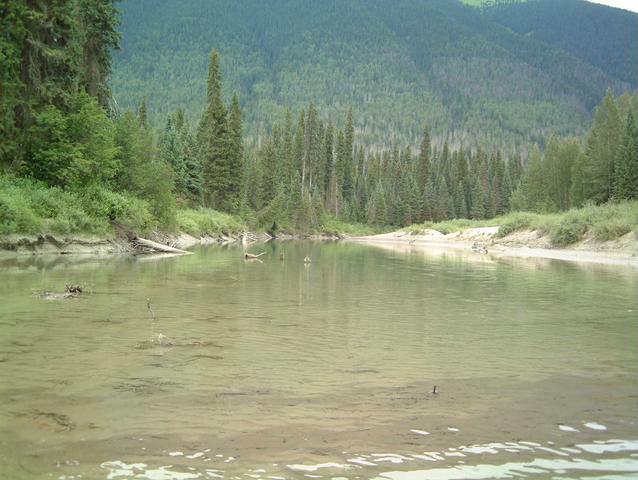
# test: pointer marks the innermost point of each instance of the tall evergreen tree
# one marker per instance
(343, 178)
(602, 141)
(478, 200)
(213, 141)
(235, 158)
(142, 114)
(626, 172)
(328, 163)
(170, 151)
(423, 160)
(98, 20)
(39, 71)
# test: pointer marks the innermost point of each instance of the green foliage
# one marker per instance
(333, 226)
(626, 162)
(16, 214)
(473, 80)
(603, 222)
(514, 222)
(98, 20)
(143, 172)
(31, 207)
(570, 229)
(614, 227)
(576, 27)
(108, 170)
(278, 211)
(51, 50)
(219, 140)
(602, 142)
(203, 221)
(106, 207)
(72, 148)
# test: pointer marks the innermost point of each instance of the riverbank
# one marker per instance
(39, 219)
(521, 243)
(48, 244)
(605, 233)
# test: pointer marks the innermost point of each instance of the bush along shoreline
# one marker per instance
(37, 218)
(600, 223)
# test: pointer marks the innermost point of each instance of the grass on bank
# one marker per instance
(31, 208)
(28, 207)
(603, 222)
(204, 221)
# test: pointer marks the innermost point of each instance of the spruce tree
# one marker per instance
(423, 160)
(443, 201)
(98, 20)
(170, 151)
(328, 159)
(233, 194)
(429, 206)
(460, 205)
(193, 177)
(377, 207)
(342, 175)
(478, 200)
(268, 163)
(626, 173)
(38, 72)
(602, 142)
(214, 142)
(142, 114)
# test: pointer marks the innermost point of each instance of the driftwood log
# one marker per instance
(252, 256)
(158, 247)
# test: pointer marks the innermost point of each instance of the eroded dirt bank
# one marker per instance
(77, 244)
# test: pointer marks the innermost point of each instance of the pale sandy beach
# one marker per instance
(522, 244)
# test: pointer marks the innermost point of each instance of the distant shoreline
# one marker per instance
(522, 244)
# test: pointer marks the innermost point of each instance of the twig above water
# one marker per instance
(148, 305)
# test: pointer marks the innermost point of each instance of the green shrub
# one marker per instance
(30, 207)
(569, 229)
(514, 222)
(107, 206)
(612, 229)
(614, 220)
(605, 222)
(16, 216)
(333, 226)
(203, 221)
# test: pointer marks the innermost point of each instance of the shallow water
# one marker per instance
(284, 370)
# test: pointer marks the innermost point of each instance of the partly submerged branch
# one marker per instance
(157, 247)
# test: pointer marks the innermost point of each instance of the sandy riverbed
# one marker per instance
(522, 244)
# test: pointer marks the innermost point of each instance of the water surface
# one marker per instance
(284, 370)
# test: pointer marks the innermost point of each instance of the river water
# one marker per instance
(280, 369)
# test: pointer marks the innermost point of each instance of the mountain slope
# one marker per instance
(594, 33)
(399, 63)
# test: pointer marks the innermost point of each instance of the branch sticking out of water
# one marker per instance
(148, 305)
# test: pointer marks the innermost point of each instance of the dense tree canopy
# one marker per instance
(398, 63)
(60, 126)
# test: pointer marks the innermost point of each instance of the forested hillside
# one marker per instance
(594, 33)
(399, 64)
(73, 159)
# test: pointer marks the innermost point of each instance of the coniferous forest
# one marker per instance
(73, 160)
